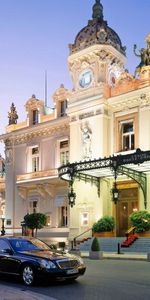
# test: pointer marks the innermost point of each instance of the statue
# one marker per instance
(86, 140)
(12, 115)
(97, 10)
(144, 54)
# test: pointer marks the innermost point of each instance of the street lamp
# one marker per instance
(71, 197)
(115, 193)
(3, 227)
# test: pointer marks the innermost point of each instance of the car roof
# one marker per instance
(7, 237)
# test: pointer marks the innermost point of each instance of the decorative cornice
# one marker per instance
(23, 136)
(97, 53)
(141, 100)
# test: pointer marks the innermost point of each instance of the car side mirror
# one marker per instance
(8, 251)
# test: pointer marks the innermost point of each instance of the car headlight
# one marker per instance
(80, 260)
(47, 264)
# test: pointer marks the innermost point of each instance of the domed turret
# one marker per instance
(96, 32)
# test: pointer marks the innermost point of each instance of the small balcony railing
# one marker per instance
(37, 175)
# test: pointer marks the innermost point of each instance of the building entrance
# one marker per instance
(127, 204)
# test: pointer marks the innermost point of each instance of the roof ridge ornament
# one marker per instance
(97, 10)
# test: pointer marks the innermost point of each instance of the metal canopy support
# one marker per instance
(139, 177)
(91, 179)
(114, 163)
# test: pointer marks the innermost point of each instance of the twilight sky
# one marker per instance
(34, 37)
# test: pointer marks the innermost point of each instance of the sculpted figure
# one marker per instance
(86, 140)
(144, 55)
(12, 115)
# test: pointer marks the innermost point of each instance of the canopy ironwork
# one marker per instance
(135, 165)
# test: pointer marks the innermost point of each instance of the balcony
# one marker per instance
(36, 176)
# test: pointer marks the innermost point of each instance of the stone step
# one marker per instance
(141, 245)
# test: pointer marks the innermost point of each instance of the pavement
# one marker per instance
(114, 255)
(9, 293)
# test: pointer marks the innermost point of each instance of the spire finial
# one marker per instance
(97, 10)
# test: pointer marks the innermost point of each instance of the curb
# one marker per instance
(121, 256)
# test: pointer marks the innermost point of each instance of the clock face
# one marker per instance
(85, 78)
(112, 79)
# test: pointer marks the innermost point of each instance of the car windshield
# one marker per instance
(28, 244)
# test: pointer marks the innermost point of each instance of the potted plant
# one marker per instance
(35, 221)
(95, 252)
(141, 221)
(104, 227)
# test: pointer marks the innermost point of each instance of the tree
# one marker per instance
(35, 221)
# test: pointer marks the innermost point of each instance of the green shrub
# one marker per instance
(141, 220)
(106, 223)
(95, 245)
(61, 245)
(53, 246)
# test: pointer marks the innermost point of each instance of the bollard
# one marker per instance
(118, 248)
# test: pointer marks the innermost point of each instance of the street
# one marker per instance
(104, 279)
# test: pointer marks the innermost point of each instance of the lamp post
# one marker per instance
(71, 193)
(3, 227)
(115, 193)
(71, 197)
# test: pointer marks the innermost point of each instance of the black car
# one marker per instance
(32, 259)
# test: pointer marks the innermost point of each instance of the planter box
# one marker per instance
(96, 254)
(75, 252)
(144, 234)
(104, 234)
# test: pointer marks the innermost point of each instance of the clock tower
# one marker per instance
(97, 55)
(96, 60)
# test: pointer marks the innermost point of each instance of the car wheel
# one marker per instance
(28, 275)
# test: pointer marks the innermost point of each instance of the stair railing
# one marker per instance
(130, 231)
(74, 242)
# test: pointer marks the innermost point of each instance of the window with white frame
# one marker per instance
(63, 107)
(64, 152)
(33, 206)
(35, 159)
(84, 219)
(48, 220)
(35, 117)
(127, 135)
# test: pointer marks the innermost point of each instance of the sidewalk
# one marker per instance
(114, 255)
(7, 293)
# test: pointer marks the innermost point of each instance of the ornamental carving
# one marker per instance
(12, 115)
(9, 155)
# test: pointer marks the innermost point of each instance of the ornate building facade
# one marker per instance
(107, 113)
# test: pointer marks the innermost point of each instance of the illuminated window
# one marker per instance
(126, 132)
(35, 159)
(33, 206)
(127, 136)
(84, 219)
(64, 216)
(64, 152)
(48, 221)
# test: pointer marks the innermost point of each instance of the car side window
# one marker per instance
(3, 245)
